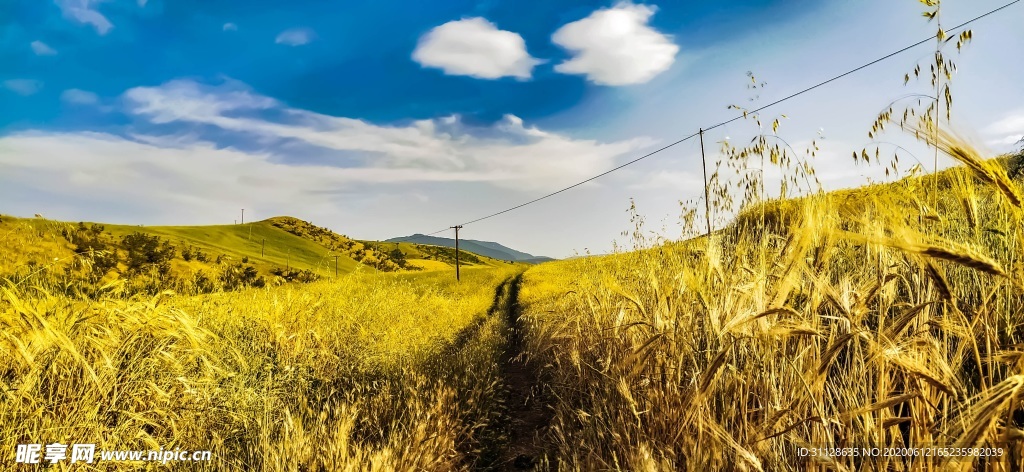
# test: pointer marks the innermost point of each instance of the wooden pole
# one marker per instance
(707, 197)
(263, 249)
(457, 228)
(243, 216)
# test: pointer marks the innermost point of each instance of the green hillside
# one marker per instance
(204, 258)
(261, 242)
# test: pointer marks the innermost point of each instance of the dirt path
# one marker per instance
(527, 415)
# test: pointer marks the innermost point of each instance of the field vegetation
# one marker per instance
(851, 320)
(372, 373)
(887, 316)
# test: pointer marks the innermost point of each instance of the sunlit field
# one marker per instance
(849, 320)
(367, 372)
(844, 320)
(786, 328)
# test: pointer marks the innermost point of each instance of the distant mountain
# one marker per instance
(483, 248)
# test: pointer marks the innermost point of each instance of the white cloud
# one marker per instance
(79, 97)
(142, 3)
(42, 49)
(1010, 140)
(1008, 131)
(301, 163)
(24, 87)
(477, 48)
(84, 11)
(191, 180)
(680, 181)
(185, 100)
(1012, 123)
(615, 46)
(230, 27)
(508, 153)
(295, 36)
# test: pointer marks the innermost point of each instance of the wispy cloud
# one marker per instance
(509, 153)
(42, 49)
(230, 27)
(1007, 131)
(24, 87)
(84, 11)
(295, 37)
(79, 97)
(477, 48)
(615, 46)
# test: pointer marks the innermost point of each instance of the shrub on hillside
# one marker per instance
(238, 275)
(198, 283)
(295, 275)
(398, 256)
(143, 250)
(99, 254)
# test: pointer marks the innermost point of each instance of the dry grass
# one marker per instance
(846, 322)
(375, 372)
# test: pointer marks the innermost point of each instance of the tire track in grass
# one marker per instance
(511, 439)
(527, 415)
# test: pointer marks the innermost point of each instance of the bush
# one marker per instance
(293, 275)
(143, 250)
(202, 283)
(86, 239)
(398, 256)
(238, 276)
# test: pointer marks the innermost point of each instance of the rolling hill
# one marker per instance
(484, 248)
(273, 247)
(260, 244)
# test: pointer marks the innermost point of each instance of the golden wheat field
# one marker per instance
(845, 325)
(839, 321)
(875, 328)
(369, 373)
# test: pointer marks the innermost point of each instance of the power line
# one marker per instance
(718, 125)
(645, 156)
(851, 71)
(776, 102)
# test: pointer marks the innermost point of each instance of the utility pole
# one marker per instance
(263, 249)
(707, 198)
(243, 216)
(335, 266)
(457, 228)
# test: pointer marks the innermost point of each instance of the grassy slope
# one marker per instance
(25, 242)
(283, 249)
(285, 378)
(745, 341)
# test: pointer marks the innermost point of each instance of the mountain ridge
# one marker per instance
(485, 248)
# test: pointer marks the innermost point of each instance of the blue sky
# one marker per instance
(386, 118)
